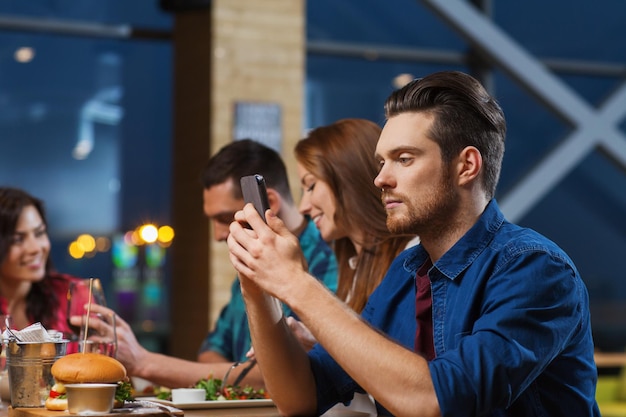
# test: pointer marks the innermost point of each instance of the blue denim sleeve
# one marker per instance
(520, 328)
(390, 308)
(333, 384)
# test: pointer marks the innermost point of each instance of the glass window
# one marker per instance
(357, 48)
(85, 125)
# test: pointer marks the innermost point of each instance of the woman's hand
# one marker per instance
(129, 352)
(302, 333)
(299, 330)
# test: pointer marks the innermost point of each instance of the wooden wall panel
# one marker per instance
(236, 51)
(258, 56)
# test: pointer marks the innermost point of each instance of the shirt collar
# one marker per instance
(466, 249)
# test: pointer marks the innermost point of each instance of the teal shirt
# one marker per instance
(231, 336)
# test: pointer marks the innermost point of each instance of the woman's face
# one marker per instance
(319, 202)
(27, 256)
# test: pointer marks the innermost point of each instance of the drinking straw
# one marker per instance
(88, 313)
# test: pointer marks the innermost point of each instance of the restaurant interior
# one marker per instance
(109, 110)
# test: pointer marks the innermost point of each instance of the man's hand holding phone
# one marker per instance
(265, 256)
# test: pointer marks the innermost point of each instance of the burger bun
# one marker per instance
(56, 404)
(88, 368)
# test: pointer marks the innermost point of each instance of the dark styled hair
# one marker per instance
(464, 115)
(247, 157)
(41, 302)
(342, 155)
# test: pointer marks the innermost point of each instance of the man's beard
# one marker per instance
(431, 215)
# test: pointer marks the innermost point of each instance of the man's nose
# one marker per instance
(220, 231)
(383, 179)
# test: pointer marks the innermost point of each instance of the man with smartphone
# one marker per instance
(223, 196)
(482, 318)
(229, 341)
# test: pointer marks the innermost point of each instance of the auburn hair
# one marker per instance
(342, 155)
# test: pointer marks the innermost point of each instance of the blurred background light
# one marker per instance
(148, 233)
(24, 55)
(166, 234)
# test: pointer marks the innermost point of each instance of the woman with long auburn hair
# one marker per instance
(337, 167)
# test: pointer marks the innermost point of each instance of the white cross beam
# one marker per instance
(593, 128)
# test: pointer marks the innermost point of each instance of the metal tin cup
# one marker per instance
(89, 399)
(29, 366)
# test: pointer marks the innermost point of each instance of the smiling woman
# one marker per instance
(30, 291)
(336, 166)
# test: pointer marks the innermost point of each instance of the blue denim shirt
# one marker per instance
(511, 323)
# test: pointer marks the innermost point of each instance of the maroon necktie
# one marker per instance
(424, 313)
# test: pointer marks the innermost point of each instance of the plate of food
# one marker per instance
(216, 397)
(214, 403)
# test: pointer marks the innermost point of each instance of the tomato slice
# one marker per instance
(54, 394)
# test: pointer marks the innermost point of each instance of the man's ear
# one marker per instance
(469, 165)
(275, 200)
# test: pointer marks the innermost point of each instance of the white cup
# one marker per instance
(188, 395)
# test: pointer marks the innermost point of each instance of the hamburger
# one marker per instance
(81, 368)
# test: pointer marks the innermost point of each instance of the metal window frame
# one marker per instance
(592, 127)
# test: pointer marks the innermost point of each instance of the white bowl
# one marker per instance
(188, 395)
(86, 399)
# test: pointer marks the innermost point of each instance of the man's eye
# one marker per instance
(226, 218)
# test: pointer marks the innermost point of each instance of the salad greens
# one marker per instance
(212, 387)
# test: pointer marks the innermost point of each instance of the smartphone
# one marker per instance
(254, 191)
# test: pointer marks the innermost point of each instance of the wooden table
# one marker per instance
(270, 411)
(223, 412)
(263, 412)
(213, 412)
(610, 359)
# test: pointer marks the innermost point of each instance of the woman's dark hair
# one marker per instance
(464, 115)
(41, 302)
(342, 155)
